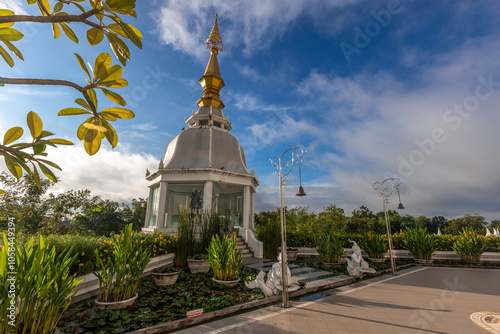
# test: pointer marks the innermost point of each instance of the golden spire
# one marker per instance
(211, 81)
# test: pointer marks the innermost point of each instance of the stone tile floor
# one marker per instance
(417, 300)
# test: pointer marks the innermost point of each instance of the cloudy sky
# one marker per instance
(371, 89)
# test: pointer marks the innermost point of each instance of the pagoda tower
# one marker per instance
(204, 168)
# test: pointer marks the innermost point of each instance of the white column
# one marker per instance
(207, 196)
(252, 210)
(246, 207)
(149, 207)
(162, 204)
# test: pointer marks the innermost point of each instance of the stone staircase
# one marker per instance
(243, 247)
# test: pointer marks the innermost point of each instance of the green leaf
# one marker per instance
(6, 12)
(6, 57)
(69, 32)
(13, 166)
(82, 65)
(50, 163)
(46, 4)
(108, 117)
(92, 142)
(131, 34)
(72, 111)
(12, 48)
(12, 135)
(94, 36)
(60, 141)
(55, 30)
(121, 113)
(35, 124)
(58, 7)
(101, 65)
(113, 73)
(92, 96)
(45, 134)
(47, 172)
(118, 83)
(119, 48)
(39, 148)
(111, 135)
(116, 98)
(10, 34)
(37, 177)
(83, 103)
(2, 192)
(82, 129)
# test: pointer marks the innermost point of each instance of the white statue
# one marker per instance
(356, 266)
(273, 285)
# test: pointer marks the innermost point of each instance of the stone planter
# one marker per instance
(292, 255)
(165, 279)
(371, 259)
(228, 284)
(198, 266)
(116, 305)
(329, 264)
(421, 261)
(57, 330)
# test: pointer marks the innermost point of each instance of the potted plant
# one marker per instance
(375, 246)
(420, 243)
(119, 276)
(165, 276)
(43, 286)
(469, 246)
(226, 261)
(330, 248)
(198, 263)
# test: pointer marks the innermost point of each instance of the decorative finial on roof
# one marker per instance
(211, 81)
(214, 41)
(160, 166)
(147, 172)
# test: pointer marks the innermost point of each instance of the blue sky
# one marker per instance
(371, 89)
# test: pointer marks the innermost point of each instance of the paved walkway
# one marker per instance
(417, 300)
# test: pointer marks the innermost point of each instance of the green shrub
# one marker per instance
(469, 246)
(119, 277)
(43, 287)
(270, 235)
(375, 245)
(330, 247)
(420, 243)
(225, 260)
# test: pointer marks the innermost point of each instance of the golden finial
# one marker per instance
(214, 41)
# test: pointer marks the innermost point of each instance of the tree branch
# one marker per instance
(45, 82)
(51, 82)
(52, 18)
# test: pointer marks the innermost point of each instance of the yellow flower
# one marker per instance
(81, 264)
(83, 253)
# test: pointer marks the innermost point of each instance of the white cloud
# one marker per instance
(395, 120)
(116, 174)
(255, 24)
(13, 5)
(144, 126)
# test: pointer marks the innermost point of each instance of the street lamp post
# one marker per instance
(385, 191)
(282, 170)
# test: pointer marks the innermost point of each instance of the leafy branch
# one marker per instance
(104, 17)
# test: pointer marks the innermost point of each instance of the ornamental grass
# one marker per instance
(375, 245)
(469, 246)
(420, 243)
(225, 260)
(330, 247)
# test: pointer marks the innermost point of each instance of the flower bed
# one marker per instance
(157, 244)
(156, 305)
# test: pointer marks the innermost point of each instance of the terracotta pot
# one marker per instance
(229, 284)
(121, 304)
(164, 279)
(198, 266)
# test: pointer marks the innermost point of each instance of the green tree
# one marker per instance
(100, 217)
(135, 213)
(332, 218)
(474, 222)
(438, 222)
(103, 19)
(362, 212)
